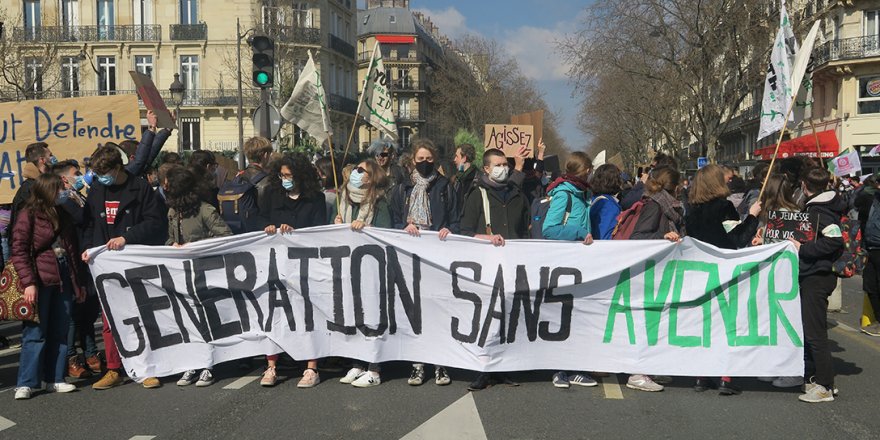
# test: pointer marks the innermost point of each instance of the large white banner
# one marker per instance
(649, 307)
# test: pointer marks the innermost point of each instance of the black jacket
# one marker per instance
(276, 208)
(705, 222)
(250, 173)
(147, 151)
(818, 256)
(140, 218)
(508, 211)
(463, 183)
(441, 197)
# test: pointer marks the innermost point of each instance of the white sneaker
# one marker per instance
(205, 379)
(642, 382)
(366, 380)
(22, 393)
(60, 387)
(788, 381)
(352, 375)
(188, 378)
(816, 394)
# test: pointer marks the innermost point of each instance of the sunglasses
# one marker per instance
(384, 154)
(360, 170)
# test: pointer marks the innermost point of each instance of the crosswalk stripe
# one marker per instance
(612, 387)
(243, 381)
(5, 423)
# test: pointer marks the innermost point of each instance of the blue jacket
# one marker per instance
(578, 225)
(603, 216)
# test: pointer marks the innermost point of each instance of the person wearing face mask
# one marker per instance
(292, 201)
(363, 203)
(122, 210)
(140, 155)
(385, 152)
(39, 160)
(495, 210)
(426, 201)
(44, 254)
(466, 172)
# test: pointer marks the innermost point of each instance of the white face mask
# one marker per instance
(499, 174)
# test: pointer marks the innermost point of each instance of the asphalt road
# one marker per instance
(237, 407)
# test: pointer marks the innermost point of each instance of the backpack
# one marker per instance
(238, 202)
(539, 210)
(626, 221)
(852, 260)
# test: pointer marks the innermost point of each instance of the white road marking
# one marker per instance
(243, 381)
(846, 327)
(143, 437)
(461, 421)
(611, 387)
(5, 423)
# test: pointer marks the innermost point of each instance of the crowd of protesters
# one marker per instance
(63, 209)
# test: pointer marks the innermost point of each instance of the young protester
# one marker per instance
(425, 201)
(385, 152)
(466, 172)
(534, 184)
(328, 184)
(190, 219)
(141, 155)
(120, 210)
(363, 203)
(293, 200)
(257, 150)
(636, 192)
(44, 253)
(867, 203)
(507, 219)
(568, 218)
(713, 219)
(817, 281)
(39, 160)
(604, 207)
(203, 166)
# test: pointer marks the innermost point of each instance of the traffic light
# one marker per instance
(264, 61)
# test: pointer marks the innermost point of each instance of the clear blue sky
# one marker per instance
(526, 29)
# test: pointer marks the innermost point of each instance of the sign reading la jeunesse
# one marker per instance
(650, 307)
(73, 128)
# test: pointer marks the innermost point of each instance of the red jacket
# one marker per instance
(35, 234)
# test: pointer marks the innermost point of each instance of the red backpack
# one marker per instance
(626, 221)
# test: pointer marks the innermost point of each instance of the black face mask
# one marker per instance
(425, 168)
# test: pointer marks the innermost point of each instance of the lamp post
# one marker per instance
(177, 90)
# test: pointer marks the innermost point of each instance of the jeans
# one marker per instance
(44, 345)
(82, 327)
(815, 290)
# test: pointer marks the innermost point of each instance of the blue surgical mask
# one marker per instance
(62, 197)
(356, 180)
(461, 168)
(79, 183)
(287, 184)
(106, 179)
(53, 160)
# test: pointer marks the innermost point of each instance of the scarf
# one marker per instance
(489, 183)
(579, 183)
(419, 212)
(671, 210)
(356, 196)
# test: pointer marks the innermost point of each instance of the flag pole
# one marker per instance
(776, 151)
(361, 100)
(816, 136)
(335, 171)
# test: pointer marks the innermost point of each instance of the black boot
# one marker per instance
(703, 384)
(483, 381)
(728, 389)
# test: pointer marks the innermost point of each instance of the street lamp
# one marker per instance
(177, 90)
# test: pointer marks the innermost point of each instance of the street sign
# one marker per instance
(274, 116)
(701, 162)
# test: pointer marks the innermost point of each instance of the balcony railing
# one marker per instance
(293, 34)
(192, 98)
(410, 116)
(189, 32)
(343, 104)
(847, 49)
(341, 46)
(407, 85)
(364, 57)
(60, 34)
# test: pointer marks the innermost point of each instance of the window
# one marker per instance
(392, 19)
(405, 134)
(403, 79)
(340, 79)
(190, 132)
(403, 107)
(869, 95)
(69, 13)
(189, 75)
(106, 75)
(189, 12)
(105, 19)
(70, 76)
(302, 15)
(144, 64)
(872, 24)
(32, 20)
(143, 12)
(33, 75)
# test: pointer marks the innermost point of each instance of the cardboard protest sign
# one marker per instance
(73, 128)
(535, 119)
(152, 99)
(382, 295)
(510, 138)
(782, 225)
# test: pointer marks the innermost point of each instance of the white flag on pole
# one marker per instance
(778, 92)
(307, 106)
(847, 162)
(802, 77)
(375, 104)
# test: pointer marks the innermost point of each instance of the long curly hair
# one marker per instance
(305, 177)
(182, 192)
(42, 198)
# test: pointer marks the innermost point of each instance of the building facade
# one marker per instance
(411, 50)
(98, 41)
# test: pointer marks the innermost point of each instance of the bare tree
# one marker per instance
(28, 66)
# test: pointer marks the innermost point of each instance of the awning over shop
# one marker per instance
(804, 146)
(396, 39)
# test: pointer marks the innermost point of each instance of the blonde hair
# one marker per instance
(709, 184)
(578, 164)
